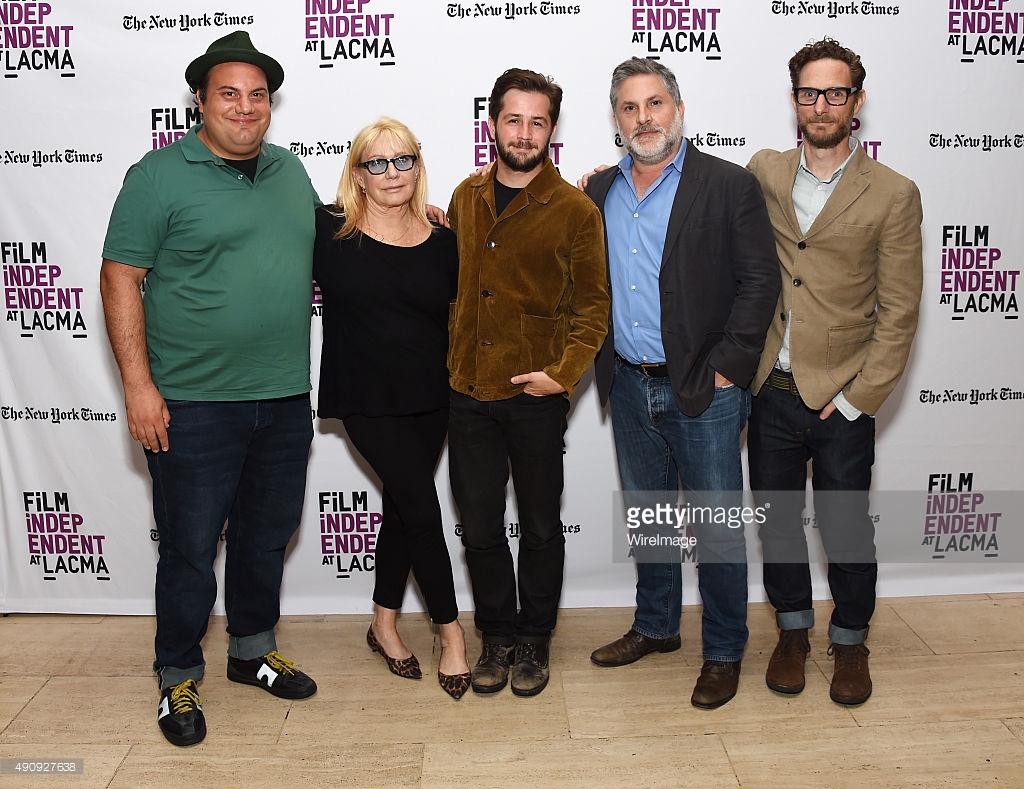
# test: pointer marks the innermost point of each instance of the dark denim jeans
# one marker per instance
(484, 439)
(240, 462)
(658, 447)
(784, 434)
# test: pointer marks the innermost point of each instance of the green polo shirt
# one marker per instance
(228, 292)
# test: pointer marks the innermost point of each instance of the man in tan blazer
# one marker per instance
(848, 234)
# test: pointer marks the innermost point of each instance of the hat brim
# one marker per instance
(199, 67)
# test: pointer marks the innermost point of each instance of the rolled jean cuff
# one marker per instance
(252, 647)
(169, 676)
(795, 620)
(720, 658)
(846, 637)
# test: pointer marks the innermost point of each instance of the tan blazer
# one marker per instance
(852, 284)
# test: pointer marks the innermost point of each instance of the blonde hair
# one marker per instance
(352, 201)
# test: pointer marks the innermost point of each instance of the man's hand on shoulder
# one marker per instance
(585, 178)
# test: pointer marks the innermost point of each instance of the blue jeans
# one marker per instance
(240, 462)
(658, 447)
(784, 434)
(485, 439)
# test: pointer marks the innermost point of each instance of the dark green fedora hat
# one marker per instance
(234, 48)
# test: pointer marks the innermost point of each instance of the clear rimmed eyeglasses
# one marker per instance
(837, 97)
(380, 166)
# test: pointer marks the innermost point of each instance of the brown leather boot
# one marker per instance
(851, 681)
(786, 668)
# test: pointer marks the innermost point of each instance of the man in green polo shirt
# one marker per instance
(217, 229)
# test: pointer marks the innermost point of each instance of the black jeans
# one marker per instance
(403, 451)
(783, 434)
(485, 439)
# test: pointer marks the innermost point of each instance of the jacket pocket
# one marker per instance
(847, 350)
(538, 342)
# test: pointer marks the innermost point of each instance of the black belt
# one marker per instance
(780, 379)
(650, 370)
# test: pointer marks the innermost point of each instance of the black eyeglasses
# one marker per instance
(837, 97)
(380, 166)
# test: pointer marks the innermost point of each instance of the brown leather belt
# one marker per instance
(650, 370)
(779, 379)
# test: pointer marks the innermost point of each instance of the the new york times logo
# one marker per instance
(31, 41)
(348, 532)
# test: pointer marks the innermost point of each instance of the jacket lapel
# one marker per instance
(851, 186)
(686, 192)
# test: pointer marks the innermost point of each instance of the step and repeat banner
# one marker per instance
(88, 86)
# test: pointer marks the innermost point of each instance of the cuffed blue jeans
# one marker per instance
(784, 434)
(658, 447)
(240, 462)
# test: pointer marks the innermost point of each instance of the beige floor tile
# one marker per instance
(944, 688)
(380, 707)
(670, 762)
(1016, 725)
(15, 694)
(220, 766)
(962, 754)
(962, 625)
(99, 763)
(649, 701)
(92, 645)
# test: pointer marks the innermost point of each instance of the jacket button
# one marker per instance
(802, 245)
(491, 245)
(486, 344)
(797, 282)
(782, 317)
(486, 294)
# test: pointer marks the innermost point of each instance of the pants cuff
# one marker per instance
(795, 620)
(169, 676)
(252, 647)
(846, 637)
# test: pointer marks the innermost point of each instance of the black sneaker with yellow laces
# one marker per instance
(272, 673)
(180, 714)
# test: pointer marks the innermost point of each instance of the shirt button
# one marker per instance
(634, 251)
(636, 216)
(240, 176)
(632, 287)
(636, 323)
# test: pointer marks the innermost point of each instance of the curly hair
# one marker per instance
(830, 49)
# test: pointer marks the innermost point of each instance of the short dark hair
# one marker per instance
(827, 49)
(529, 81)
(632, 67)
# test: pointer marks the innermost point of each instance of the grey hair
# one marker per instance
(632, 67)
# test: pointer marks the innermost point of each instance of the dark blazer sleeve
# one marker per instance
(604, 363)
(720, 279)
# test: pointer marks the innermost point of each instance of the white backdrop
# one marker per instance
(88, 86)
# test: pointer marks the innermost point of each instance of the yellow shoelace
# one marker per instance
(279, 663)
(185, 697)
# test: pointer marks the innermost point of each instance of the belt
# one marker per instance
(650, 370)
(779, 379)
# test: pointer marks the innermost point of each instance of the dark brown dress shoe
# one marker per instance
(631, 647)
(716, 684)
(530, 672)
(786, 667)
(851, 680)
(490, 674)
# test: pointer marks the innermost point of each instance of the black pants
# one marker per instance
(403, 451)
(484, 440)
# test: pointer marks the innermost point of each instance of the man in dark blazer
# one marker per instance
(848, 233)
(694, 280)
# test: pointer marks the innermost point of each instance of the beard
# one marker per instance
(828, 139)
(657, 149)
(522, 157)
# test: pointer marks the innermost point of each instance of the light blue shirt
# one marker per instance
(810, 194)
(636, 243)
